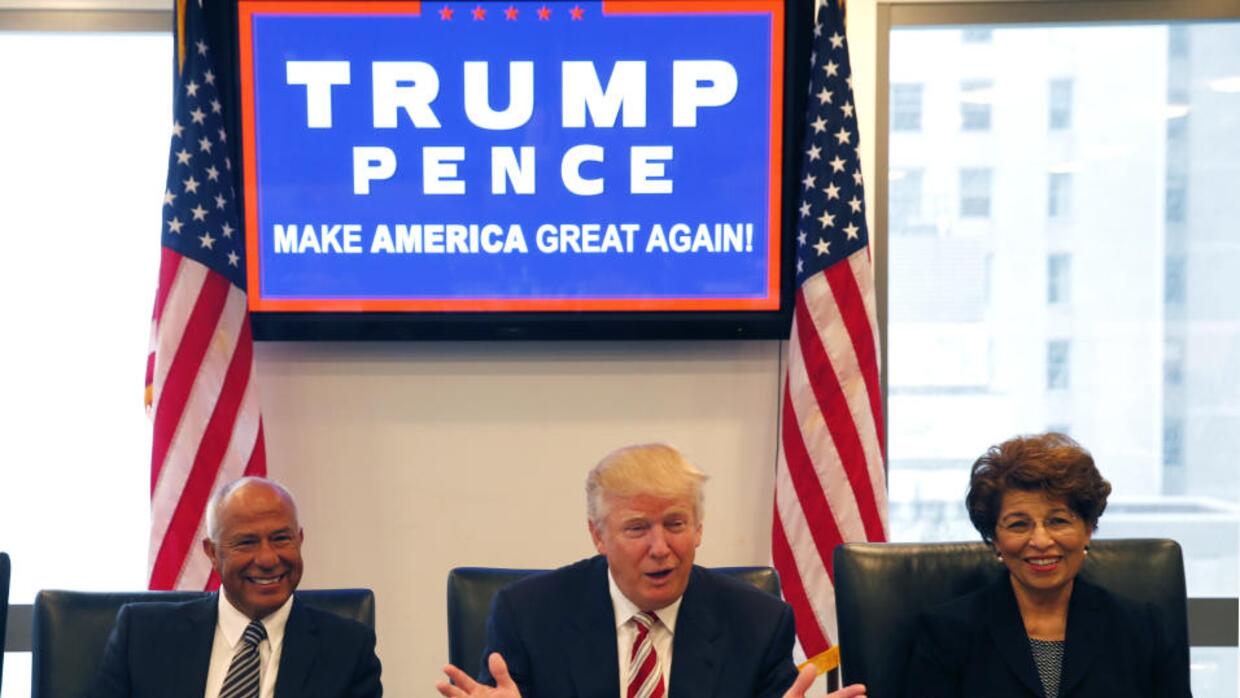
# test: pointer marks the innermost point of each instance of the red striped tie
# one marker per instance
(645, 678)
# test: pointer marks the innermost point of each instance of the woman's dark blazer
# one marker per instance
(976, 647)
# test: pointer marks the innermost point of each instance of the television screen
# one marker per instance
(519, 169)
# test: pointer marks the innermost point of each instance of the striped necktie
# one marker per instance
(645, 678)
(242, 678)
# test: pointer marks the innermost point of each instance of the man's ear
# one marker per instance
(208, 549)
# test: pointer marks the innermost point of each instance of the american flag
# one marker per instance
(829, 486)
(199, 376)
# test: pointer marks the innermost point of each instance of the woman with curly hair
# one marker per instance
(1039, 630)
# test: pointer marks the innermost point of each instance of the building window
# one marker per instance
(1060, 116)
(977, 35)
(1059, 195)
(1057, 368)
(905, 211)
(975, 99)
(1177, 200)
(1173, 361)
(906, 107)
(1175, 289)
(1173, 443)
(975, 193)
(1058, 278)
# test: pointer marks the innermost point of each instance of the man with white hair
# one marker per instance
(254, 639)
(640, 620)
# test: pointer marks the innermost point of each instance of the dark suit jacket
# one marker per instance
(557, 632)
(162, 650)
(976, 645)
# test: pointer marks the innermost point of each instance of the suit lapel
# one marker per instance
(300, 646)
(591, 647)
(188, 648)
(695, 659)
(1087, 631)
(1007, 631)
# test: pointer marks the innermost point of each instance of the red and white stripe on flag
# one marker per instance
(207, 426)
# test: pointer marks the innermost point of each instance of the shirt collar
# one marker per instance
(233, 622)
(626, 609)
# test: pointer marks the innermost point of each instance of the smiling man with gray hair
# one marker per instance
(252, 640)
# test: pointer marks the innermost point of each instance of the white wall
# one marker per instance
(411, 459)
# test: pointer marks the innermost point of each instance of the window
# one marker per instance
(1175, 292)
(906, 107)
(1060, 116)
(1173, 361)
(1059, 195)
(1173, 443)
(975, 99)
(1177, 194)
(1058, 278)
(1057, 358)
(906, 203)
(974, 193)
(89, 249)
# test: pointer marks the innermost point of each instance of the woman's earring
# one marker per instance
(1087, 550)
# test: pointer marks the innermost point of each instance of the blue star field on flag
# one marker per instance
(831, 217)
(200, 214)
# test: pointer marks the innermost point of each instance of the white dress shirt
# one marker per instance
(228, 630)
(661, 633)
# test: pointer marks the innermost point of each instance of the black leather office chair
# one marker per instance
(70, 629)
(880, 588)
(470, 590)
(5, 569)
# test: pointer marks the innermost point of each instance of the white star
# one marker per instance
(843, 136)
(805, 209)
(232, 259)
(824, 96)
(832, 68)
(174, 225)
(817, 30)
(849, 81)
(827, 220)
(202, 46)
(198, 116)
(833, 192)
(809, 181)
(209, 77)
(855, 204)
(177, 128)
(204, 144)
(822, 246)
(227, 230)
(801, 238)
(183, 156)
(857, 177)
(813, 61)
(191, 89)
(847, 108)
(814, 153)
(800, 267)
(212, 173)
(220, 201)
(228, 164)
(169, 197)
(215, 106)
(223, 136)
(851, 230)
(837, 165)
(200, 213)
(191, 185)
(837, 41)
(819, 125)
(207, 240)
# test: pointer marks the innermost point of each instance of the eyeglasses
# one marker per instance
(1020, 527)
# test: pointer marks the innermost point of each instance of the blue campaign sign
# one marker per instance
(622, 155)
